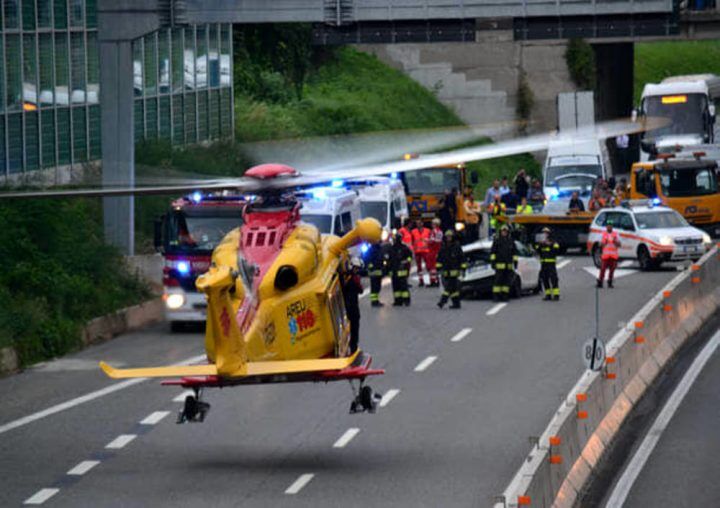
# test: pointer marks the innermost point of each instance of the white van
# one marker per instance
(572, 166)
(333, 210)
(381, 198)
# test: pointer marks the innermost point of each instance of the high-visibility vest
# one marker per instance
(526, 210)
(406, 236)
(420, 240)
(609, 249)
(496, 211)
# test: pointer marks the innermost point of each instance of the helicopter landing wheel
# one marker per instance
(365, 400)
(194, 410)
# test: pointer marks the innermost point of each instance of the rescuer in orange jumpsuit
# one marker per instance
(421, 248)
(436, 239)
(610, 243)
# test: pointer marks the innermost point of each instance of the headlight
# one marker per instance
(706, 238)
(666, 240)
(459, 226)
(174, 301)
(384, 235)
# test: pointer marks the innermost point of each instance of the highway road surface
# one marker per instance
(463, 392)
(676, 463)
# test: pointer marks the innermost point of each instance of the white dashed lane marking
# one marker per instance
(298, 484)
(461, 335)
(85, 398)
(497, 308)
(83, 467)
(425, 363)
(121, 441)
(154, 418)
(388, 396)
(564, 263)
(41, 496)
(346, 438)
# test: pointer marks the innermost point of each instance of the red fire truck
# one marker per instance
(186, 236)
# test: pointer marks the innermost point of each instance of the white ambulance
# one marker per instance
(381, 198)
(651, 234)
(334, 210)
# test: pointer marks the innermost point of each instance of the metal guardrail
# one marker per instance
(347, 11)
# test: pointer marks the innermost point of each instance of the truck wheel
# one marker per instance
(597, 256)
(646, 262)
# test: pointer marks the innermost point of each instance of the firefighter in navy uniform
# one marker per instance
(400, 262)
(375, 266)
(503, 258)
(549, 250)
(451, 263)
(351, 290)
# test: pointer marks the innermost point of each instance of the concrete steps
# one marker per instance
(473, 99)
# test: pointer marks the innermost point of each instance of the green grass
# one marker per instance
(655, 61)
(351, 92)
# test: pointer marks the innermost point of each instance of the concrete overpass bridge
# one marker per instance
(480, 50)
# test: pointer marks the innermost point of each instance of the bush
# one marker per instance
(525, 100)
(62, 275)
(580, 60)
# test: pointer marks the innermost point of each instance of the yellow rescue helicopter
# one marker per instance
(275, 308)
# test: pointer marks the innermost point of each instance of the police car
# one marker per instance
(479, 276)
(650, 233)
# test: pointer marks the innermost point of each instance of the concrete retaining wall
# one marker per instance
(557, 470)
(101, 329)
(479, 80)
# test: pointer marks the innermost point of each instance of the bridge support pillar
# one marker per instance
(614, 95)
(119, 23)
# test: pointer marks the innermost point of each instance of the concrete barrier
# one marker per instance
(557, 470)
(101, 329)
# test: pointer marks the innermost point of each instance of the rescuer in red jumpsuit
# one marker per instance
(436, 239)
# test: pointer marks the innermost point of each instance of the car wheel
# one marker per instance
(516, 288)
(597, 256)
(644, 259)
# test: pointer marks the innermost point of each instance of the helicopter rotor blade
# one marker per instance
(453, 157)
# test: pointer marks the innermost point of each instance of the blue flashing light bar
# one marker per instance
(337, 183)
(364, 248)
(196, 197)
(183, 267)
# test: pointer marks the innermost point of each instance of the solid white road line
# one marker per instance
(497, 308)
(120, 441)
(425, 363)
(181, 397)
(365, 292)
(388, 396)
(83, 467)
(84, 398)
(346, 438)
(624, 485)
(626, 263)
(154, 418)
(298, 484)
(461, 335)
(563, 263)
(41, 496)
